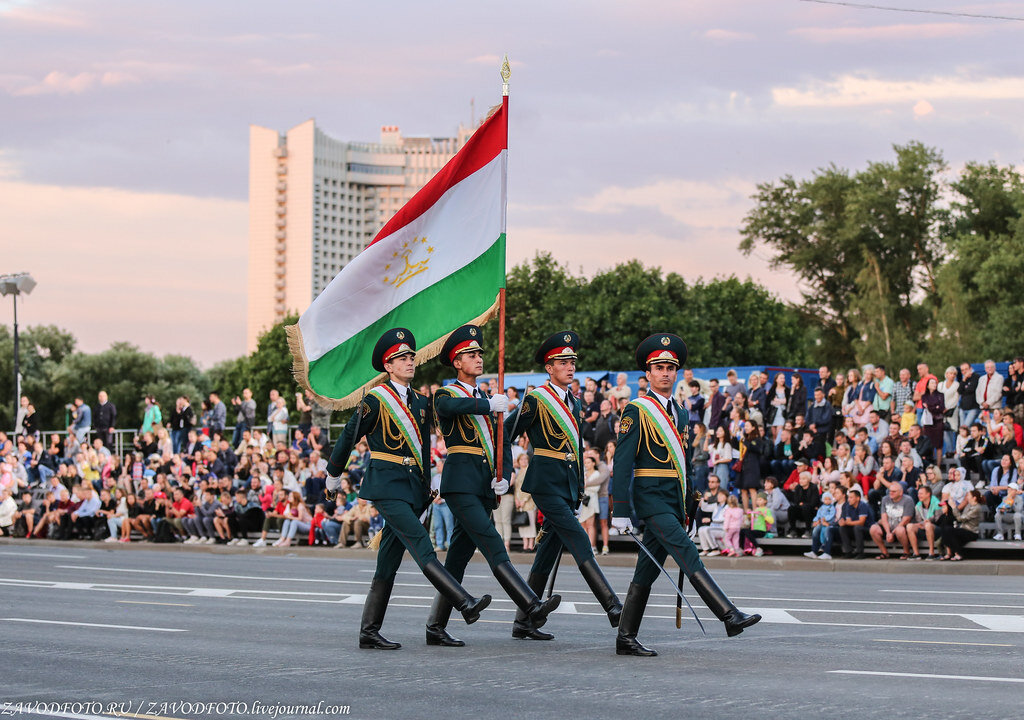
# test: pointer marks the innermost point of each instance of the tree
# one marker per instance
(830, 229)
(42, 348)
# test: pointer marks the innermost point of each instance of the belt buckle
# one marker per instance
(569, 457)
(407, 461)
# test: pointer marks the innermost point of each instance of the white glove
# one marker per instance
(333, 483)
(498, 403)
(500, 487)
(622, 524)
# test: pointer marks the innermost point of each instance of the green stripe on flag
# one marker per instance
(436, 311)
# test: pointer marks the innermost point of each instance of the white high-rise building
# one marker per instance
(316, 202)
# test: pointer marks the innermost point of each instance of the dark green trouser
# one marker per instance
(665, 534)
(561, 529)
(473, 529)
(402, 531)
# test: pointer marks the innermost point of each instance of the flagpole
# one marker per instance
(499, 454)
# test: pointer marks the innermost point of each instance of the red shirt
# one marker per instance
(922, 387)
(184, 504)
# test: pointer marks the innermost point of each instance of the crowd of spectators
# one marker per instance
(914, 466)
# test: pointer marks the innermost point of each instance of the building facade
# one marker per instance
(316, 202)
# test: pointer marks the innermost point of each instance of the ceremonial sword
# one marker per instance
(678, 590)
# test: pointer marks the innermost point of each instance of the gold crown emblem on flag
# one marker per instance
(409, 269)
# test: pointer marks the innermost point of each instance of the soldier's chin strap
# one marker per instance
(678, 590)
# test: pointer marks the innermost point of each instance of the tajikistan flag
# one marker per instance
(437, 265)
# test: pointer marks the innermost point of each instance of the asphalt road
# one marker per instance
(134, 633)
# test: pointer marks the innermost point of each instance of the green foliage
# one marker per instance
(888, 272)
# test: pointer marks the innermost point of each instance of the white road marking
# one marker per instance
(942, 642)
(99, 625)
(1003, 623)
(774, 615)
(566, 608)
(45, 555)
(213, 575)
(927, 676)
(950, 592)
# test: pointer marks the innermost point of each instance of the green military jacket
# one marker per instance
(465, 472)
(644, 478)
(385, 479)
(561, 476)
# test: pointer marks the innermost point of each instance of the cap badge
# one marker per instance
(472, 332)
(567, 338)
(665, 341)
(400, 335)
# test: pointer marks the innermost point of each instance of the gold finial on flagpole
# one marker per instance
(506, 73)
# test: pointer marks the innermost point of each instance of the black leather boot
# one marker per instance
(454, 593)
(373, 616)
(524, 597)
(522, 628)
(598, 585)
(717, 602)
(629, 624)
(437, 622)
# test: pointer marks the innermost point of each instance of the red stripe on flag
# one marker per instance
(484, 145)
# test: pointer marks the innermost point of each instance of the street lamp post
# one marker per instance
(15, 284)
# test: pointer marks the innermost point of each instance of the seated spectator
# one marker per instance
(811, 446)
(83, 517)
(1011, 508)
(974, 452)
(911, 476)
(177, 512)
(297, 518)
(853, 524)
(782, 461)
(922, 444)
(108, 509)
(247, 517)
(864, 467)
(778, 503)
(25, 516)
(8, 508)
(885, 477)
(957, 488)
(274, 515)
(132, 510)
(223, 514)
(897, 512)
(821, 529)
(700, 516)
(926, 512)
(1002, 477)
(961, 526)
(710, 534)
(804, 500)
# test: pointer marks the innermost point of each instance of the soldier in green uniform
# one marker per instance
(550, 417)
(651, 475)
(469, 484)
(396, 421)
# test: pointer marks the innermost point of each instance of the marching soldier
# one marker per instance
(469, 484)
(550, 417)
(651, 449)
(395, 419)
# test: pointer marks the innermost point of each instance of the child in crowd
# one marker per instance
(908, 419)
(821, 529)
(761, 519)
(316, 531)
(732, 521)
(1010, 509)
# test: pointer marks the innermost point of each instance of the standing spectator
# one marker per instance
(30, 423)
(897, 513)
(218, 415)
(699, 456)
(732, 523)
(589, 413)
(305, 411)
(151, 417)
(950, 389)
(321, 415)
(751, 451)
(279, 421)
(604, 426)
(1013, 389)
(933, 405)
(715, 407)
(525, 503)
(820, 415)
(81, 415)
(921, 387)
(694, 403)
(271, 409)
(778, 399)
(884, 387)
(903, 392)
(990, 389)
(797, 404)
(721, 452)
(825, 382)
(106, 418)
(621, 393)
(19, 421)
(245, 416)
(968, 392)
(733, 386)
(183, 419)
(443, 523)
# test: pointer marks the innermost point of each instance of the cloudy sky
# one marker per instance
(637, 129)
